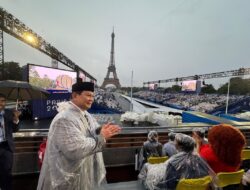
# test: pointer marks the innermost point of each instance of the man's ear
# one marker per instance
(73, 95)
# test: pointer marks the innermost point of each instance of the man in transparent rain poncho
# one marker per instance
(73, 160)
(185, 164)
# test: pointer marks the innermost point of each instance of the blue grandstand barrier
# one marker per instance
(233, 108)
(233, 118)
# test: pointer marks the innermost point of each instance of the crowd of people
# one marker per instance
(202, 102)
(106, 99)
(191, 157)
(73, 155)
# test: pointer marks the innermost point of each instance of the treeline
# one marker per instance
(10, 71)
(238, 86)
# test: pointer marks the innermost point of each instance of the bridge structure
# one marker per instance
(17, 29)
(237, 72)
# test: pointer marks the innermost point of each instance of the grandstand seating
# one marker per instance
(233, 108)
(209, 103)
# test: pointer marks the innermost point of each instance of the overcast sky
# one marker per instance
(157, 39)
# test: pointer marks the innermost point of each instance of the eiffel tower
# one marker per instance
(111, 68)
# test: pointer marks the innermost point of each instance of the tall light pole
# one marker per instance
(2, 52)
(228, 89)
(131, 93)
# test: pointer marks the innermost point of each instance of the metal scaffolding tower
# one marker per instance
(238, 72)
(14, 27)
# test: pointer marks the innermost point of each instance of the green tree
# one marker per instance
(12, 71)
(238, 86)
(168, 90)
(209, 89)
(222, 89)
(176, 88)
(247, 81)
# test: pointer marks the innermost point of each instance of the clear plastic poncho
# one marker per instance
(185, 164)
(150, 148)
(73, 160)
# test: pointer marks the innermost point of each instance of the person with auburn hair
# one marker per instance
(224, 152)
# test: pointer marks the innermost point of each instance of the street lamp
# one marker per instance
(131, 93)
(228, 89)
(2, 53)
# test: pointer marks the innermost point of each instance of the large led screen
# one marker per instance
(189, 85)
(51, 78)
(152, 86)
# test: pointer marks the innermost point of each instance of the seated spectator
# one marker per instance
(224, 152)
(169, 148)
(152, 147)
(152, 174)
(185, 164)
(198, 135)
